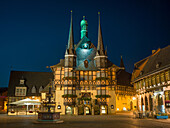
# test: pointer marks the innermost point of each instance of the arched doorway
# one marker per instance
(131, 105)
(160, 103)
(103, 109)
(142, 105)
(150, 103)
(146, 103)
(69, 110)
(87, 110)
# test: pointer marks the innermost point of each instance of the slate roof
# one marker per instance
(162, 58)
(60, 64)
(36, 79)
(123, 77)
(46, 89)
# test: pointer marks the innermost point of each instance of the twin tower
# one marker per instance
(72, 50)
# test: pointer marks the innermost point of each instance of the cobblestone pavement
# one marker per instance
(97, 121)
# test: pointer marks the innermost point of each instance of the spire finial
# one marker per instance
(122, 66)
(100, 46)
(70, 39)
(71, 13)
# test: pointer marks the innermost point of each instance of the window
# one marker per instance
(98, 92)
(21, 81)
(103, 92)
(69, 91)
(23, 92)
(167, 76)
(20, 91)
(162, 77)
(17, 92)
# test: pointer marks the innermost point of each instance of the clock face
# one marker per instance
(85, 45)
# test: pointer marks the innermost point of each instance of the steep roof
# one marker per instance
(60, 64)
(156, 62)
(70, 47)
(100, 46)
(36, 79)
(3, 89)
(85, 55)
(123, 77)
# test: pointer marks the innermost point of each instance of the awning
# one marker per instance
(27, 102)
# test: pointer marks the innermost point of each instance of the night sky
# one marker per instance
(34, 33)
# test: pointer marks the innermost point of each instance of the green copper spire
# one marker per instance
(70, 39)
(100, 46)
(84, 26)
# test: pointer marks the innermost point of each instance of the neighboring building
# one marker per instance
(125, 93)
(85, 79)
(3, 98)
(23, 84)
(151, 79)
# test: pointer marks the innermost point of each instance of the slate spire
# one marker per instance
(70, 38)
(100, 46)
(122, 66)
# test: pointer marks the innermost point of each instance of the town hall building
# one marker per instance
(85, 79)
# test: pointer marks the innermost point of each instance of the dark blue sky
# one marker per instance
(34, 33)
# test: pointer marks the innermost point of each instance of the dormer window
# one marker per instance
(141, 73)
(40, 89)
(33, 89)
(158, 65)
(22, 81)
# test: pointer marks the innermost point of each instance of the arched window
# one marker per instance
(33, 89)
(40, 89)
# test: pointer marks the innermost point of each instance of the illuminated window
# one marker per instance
(153, 80)
(162, 77)
(20, 91)
(157, 79)
(167, 76)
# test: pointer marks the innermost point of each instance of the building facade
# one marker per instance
(151, 79)
(85, 79)
(124, 90)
